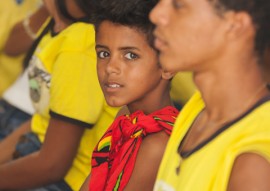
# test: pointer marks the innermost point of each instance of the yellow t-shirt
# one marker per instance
(11, 12)
(209, 167)
(63, 82)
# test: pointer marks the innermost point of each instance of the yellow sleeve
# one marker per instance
(75, 91)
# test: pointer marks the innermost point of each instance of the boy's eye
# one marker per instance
(131, 56)
(102, 54)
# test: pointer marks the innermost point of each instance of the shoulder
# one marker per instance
(78, 37)
(253, 131)
(193, 106)
(79, 27)
(123, 111)
(154, 145)
(250, 172)
(147, 162)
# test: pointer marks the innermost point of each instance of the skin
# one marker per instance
(50, 5)
(123, 65)
(266, 66)
(53, 160)
(48, 165)
(8, 145)
(199, 28)
(184, 28)
(19, 41)
(124, 62)
(61, 22)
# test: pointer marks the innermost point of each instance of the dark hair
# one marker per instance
(62, 8)
(131, 13)
(259, 11)
(84, 5)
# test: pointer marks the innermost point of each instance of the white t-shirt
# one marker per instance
(18, 94)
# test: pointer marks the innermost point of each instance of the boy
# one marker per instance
(221, 141)
(128, 155)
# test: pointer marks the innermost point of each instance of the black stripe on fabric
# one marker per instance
(226, 126)
(71, 120)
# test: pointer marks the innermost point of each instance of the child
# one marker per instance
(128, 155)
(221, 140)
(53, 153)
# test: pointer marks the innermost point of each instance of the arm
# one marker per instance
(250, 172)
(48, 165)
(147, 162)
(8, 145)
(19, 41)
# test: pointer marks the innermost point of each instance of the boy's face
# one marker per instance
(127, 66)
(188, 33)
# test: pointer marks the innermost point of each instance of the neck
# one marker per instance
(228, 93)
(154, 102)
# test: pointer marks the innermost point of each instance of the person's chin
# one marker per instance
(113, 102)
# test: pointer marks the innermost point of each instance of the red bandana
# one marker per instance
(114, 157)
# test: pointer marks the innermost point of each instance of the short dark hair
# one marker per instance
(84, 5)
(131, 13)
(259, 11)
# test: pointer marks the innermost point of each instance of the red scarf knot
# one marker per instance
(114, 157)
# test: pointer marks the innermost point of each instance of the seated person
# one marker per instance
(15, 104)
(129, 153)
(52, 151)
(221, 140)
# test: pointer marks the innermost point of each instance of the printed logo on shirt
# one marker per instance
(39, 82)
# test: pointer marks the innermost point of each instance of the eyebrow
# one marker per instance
(129, 48)
(121, 48)
(101, 46)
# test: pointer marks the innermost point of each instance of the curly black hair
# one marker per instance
(131, 13)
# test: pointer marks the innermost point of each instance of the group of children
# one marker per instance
(99, 77)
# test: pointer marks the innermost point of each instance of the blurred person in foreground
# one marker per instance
(221, 139)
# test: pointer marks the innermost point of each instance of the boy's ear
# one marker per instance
(167, 75)
(239, 23)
